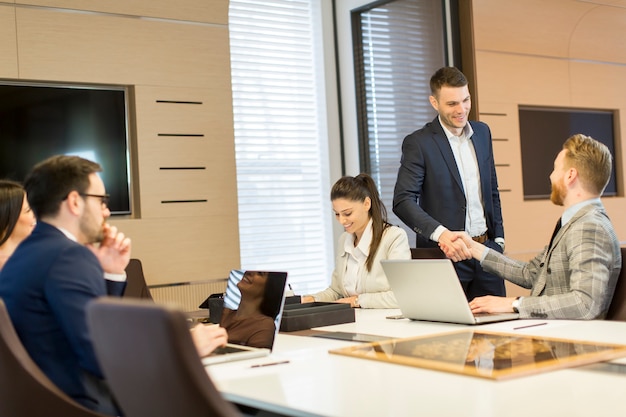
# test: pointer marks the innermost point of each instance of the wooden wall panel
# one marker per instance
(531, 27)
(187, 111)
(559, 28)
(186, 148)
(8, 49)
(183, 249)
(503, 77)
(599, 36)
(211, 11)
(74, 47)
(570, 56)
(504, 147)
(596, 85)
(188, 193)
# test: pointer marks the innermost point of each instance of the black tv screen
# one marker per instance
(41, 120)
(543, 130)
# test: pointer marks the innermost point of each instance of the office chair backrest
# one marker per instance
(136, 286)
(150, 362)
(617, 309)
(25, 391)
(427, 253)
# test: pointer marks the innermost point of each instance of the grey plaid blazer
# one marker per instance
(576, 277)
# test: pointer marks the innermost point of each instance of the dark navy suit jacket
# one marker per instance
(429, 191)
(46, 285)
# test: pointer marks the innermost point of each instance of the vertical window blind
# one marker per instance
(401, 45)
(281, 140)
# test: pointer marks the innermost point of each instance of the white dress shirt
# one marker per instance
(356, 260)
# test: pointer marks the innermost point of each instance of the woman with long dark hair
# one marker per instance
(358, 278)
(16, 218)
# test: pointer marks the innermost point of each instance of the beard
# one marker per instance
(557, 196)
(91, 229)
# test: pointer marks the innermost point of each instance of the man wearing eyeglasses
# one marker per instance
(72, 257)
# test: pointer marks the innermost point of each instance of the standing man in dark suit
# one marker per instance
(447, 182)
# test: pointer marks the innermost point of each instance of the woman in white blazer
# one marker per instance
(358, 278)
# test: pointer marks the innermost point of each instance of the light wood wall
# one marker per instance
(174, 57)
(565, 53)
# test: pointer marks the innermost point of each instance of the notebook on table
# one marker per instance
(429, 289)
(273, 297)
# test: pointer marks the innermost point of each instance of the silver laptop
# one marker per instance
(429, 289)
(256, 340)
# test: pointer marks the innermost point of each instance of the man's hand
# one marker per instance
(453, 246)
(475, 249)
(492, 304)
(114, 250)
(207, 338)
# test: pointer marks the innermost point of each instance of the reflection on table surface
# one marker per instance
(486, 354)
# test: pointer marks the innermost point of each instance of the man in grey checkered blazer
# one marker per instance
(574, 277)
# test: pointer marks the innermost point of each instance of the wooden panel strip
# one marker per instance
(179, 102)
(181, 135)
(178, 168)
(184, 201)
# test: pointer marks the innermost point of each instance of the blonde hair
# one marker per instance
(592, 160)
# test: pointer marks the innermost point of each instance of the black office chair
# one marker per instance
(25, 391)
(617, 309)
(427, 253)
(136, 286)
(150, 362)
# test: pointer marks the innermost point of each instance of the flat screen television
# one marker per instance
(543, 130)
(41, 120)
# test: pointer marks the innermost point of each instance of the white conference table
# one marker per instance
(317, 383)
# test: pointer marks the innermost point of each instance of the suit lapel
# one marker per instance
(441, 140)
(580, 213)
(541, 282)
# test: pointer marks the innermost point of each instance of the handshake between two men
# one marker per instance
(459, 246)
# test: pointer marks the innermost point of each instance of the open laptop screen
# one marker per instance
(253, 306)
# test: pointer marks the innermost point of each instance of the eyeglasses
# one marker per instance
(104, 198)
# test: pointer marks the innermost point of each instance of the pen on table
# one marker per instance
(260, 365)
(530, 325)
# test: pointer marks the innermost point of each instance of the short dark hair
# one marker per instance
(11, 203)
(50, 181)
(446, 76)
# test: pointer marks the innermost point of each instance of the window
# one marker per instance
(399, 45)
(281, 140)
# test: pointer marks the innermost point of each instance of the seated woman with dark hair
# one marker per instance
(17, 220)
(368, 238)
